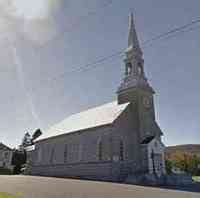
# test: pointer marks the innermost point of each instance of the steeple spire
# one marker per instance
(132, 35)
(134, 67)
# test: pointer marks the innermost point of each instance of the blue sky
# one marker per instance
(57, 38)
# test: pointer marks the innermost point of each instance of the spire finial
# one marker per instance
(132, 36)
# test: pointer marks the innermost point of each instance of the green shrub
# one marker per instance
(196, 178)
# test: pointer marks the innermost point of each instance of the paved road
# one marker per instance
(43, 187)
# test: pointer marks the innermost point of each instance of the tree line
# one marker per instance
(187, 162)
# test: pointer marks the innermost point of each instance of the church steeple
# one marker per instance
(136, 90)
(132, 35)
(134, 66)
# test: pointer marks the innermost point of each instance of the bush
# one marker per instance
(196, 178)
(168, 165)
(185, 162)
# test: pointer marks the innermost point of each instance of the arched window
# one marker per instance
(100, 150)
(128, 68)
(140, 69)
(80, 152)
(52, 156)
(121, 151)
(6, 154)
(66, 153)
(39, 153)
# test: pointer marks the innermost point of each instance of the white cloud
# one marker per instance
(9, 25)
(40, 31)
(33, 18)
(31, 9)
(35, 9)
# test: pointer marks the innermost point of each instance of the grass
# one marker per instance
(4, 171)
(196, 178)
(7, 195)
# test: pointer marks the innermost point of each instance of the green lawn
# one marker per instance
(7, 195)
(196, 178)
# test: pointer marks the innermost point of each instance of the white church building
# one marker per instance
(108, 142)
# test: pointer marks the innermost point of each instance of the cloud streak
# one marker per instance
(10, 28)
(21, 77)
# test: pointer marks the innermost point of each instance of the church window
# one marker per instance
(80, 149)
(6, 155)
(121, 151)
(100, 151)
(66, 153)
(140, 69)
(39, 155)
(52, 156)
(128, 68)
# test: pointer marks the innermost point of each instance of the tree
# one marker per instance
(168, 165)
(18, 159)
(20, 155)
(187, 162)
(26, 141)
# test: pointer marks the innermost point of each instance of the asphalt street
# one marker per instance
(44, 187)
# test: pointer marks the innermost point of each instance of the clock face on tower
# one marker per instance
(147, 102)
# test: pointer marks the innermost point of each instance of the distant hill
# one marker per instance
(191, 149)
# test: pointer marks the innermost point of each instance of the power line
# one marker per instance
(183, 31)
(95, 63)
(174, 30)
(163, 36)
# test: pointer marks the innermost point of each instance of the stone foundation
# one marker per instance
(165, 180)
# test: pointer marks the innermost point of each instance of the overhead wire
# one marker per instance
(164, 36)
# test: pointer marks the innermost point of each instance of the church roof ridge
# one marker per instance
(93, 117)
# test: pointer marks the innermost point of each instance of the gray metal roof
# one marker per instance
(95, 117)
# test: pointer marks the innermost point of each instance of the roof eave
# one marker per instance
(73, 132)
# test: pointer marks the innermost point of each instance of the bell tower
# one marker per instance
(134, 68)
(135, 87)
